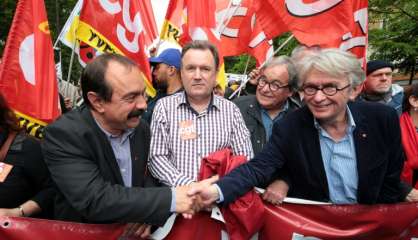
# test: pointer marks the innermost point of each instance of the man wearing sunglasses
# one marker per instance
(333, 150)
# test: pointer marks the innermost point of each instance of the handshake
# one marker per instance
(196, 196)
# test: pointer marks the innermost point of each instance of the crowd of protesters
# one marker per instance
(312, 126)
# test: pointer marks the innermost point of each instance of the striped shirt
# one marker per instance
(340, 163)
(181, 137)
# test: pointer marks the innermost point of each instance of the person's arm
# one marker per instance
(26, 209)
(37, 172)
(258, 171)
(69, 155)
(159, 162)
(240, 137)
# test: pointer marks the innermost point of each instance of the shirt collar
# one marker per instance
(350, 121)
(125, 135)
(284, 109)
(213, 104)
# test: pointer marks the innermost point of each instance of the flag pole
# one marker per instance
(243, 83)
(71, 62)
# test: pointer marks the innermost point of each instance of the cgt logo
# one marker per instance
(134, 25)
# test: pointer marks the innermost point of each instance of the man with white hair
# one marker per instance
(333, 149)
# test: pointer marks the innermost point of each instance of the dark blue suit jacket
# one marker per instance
(295, 144)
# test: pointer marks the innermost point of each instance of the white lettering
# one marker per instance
(134, 26)
(110, 7)
(301, 9)
(237, 11)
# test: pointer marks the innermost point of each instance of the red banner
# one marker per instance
(285, 222)
(328, 24)
(116, 27)
(27, 74)
(241, 31)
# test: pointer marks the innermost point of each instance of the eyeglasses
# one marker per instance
(273, 86)
(329, 90)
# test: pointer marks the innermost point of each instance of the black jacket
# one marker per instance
(295, 144)
(88, 179)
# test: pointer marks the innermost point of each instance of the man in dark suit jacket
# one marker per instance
(334, 151)
(97, 154)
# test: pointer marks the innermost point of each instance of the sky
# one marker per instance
(160, 8)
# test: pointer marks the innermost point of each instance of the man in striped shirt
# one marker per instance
(189, 125)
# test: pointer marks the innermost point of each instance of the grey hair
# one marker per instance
(302, 50)
(291, 69)
(333, 62)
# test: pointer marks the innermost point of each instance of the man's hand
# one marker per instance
(68, 103)
(184, 201)
(412, 196)
(10, 212)
(136, 230)
(253, 76)
(276, 192)
(207, 192)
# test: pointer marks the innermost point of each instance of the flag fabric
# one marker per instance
(116, 27)
(185, 22)
(68, 37)
(148, 21)
(328, 24)
(241, 32)
(27, 74)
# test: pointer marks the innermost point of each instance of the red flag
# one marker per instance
(196, 13)
(27, 75)
(116, 27)
(241, 31)
(148, 20)
(328, 24)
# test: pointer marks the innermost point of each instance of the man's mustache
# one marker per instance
(136, 113)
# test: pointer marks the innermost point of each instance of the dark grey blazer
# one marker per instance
(87, 176)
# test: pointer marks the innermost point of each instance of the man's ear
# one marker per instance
(172, 70)
(96, 102)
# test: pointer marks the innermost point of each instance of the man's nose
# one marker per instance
(319, 96)
(197, 74)
(141, 102)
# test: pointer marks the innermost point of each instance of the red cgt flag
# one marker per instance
(116, 27)
(27, 75)
(328, 24)
(241, 31)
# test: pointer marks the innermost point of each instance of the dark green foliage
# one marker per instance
(397, 40)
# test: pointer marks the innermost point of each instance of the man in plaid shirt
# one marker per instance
(190, 125)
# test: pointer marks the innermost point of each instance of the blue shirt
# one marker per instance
(122, 149)
(340, 163)
(268, 122)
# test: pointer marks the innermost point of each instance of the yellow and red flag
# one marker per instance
(27, 74)
(116, 27)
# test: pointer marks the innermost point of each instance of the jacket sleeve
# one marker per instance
(71, 157)
(257, 172)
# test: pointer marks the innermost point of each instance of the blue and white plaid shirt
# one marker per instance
(175, 161)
